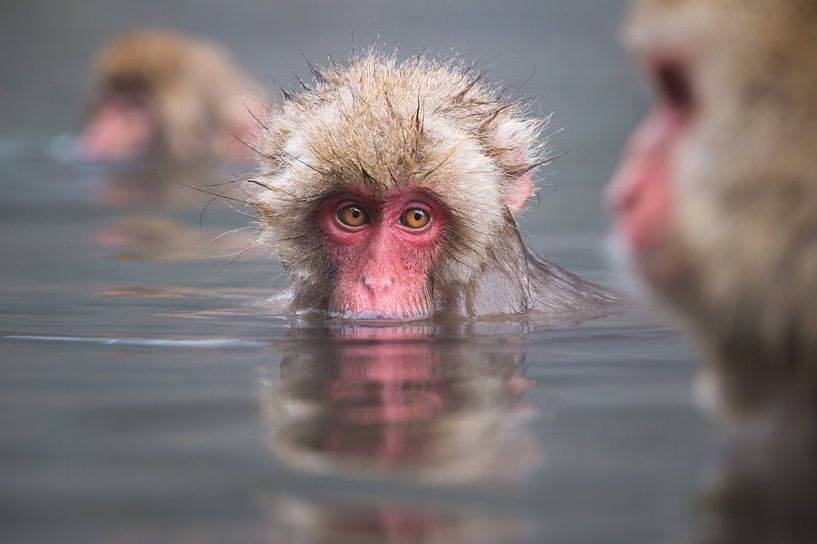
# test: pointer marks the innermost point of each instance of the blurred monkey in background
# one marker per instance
(716, 196)
(160, 94)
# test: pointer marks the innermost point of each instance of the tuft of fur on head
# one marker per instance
(379, 125)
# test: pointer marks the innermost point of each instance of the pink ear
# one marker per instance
(518, 192)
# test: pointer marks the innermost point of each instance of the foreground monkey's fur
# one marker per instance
(382, 124)
(747, 189)
(200, 99)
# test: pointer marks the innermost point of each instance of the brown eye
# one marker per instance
(353, 215)
(415, 218)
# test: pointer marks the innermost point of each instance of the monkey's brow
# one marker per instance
(441, 163)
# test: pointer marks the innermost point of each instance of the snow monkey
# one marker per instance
(390, 191)
(716, 196)
(160, 94)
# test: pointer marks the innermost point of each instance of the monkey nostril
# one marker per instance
(378, 285)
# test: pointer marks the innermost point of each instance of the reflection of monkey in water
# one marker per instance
(161, 94)
(305, 521)
(150, 207)
(765, 492)
(399, 400)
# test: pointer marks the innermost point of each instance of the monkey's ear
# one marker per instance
(518, 192)
(515, 142)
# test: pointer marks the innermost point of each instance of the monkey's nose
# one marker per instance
(378, 284)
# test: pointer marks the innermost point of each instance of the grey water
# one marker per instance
(148, 394)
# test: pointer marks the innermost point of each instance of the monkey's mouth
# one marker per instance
(404, 303)
(413, 314)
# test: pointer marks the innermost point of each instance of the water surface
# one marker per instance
(149, 393)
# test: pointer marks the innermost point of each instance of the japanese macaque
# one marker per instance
(390, 190)
(716, 196)
(160, 94)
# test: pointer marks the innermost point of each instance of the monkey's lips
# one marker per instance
(393, 307)
(399, 314)
(403, 298)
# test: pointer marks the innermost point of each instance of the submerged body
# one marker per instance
(389, 190)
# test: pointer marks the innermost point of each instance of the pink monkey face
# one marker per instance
(121, 128)
(642, 195)
(382, 249)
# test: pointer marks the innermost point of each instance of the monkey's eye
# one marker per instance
(353, 216)
(415, 218)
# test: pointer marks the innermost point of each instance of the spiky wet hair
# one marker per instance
(381, 124)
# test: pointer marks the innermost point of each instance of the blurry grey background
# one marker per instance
(568, 49)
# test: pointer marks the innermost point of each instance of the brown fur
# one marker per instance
(382, 124)
(198, 95)
(746, 187)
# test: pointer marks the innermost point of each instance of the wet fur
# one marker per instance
(380, 125)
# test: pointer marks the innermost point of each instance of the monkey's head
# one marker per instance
(159, 93)
(389, 188)
(716, 195)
